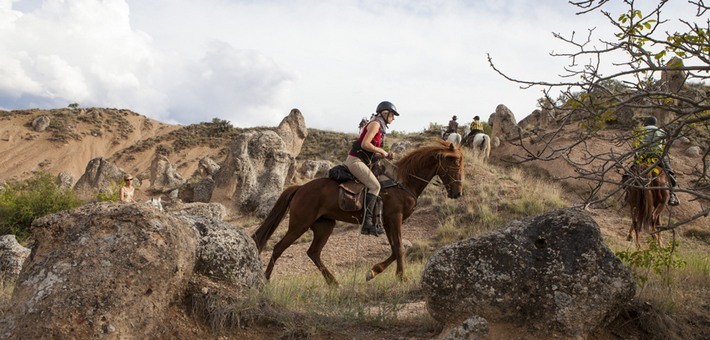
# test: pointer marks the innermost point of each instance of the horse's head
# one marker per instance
(442, 159)
(450, 170)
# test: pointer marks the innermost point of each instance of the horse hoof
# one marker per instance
(370, 275)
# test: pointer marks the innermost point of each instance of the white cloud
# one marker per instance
(250, 62)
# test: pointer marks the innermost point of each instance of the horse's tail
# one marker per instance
(276, 215)
(646, 210)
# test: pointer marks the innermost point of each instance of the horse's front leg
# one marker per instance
(393, 227)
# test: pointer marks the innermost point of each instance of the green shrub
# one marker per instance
(23, 201)
(656, 259)
(112, 195)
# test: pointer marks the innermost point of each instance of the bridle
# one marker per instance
(452, 180)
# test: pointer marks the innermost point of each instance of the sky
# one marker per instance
(250, 62)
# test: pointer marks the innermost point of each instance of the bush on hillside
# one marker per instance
(23, 201)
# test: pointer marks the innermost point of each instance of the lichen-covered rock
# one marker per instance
(550, 273)
(227, 254)
(12, 256)
(106, 269)
(64, 180)
(202, 190)
(205, 210)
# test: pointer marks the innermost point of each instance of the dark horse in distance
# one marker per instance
(314, 205)
(647, 195)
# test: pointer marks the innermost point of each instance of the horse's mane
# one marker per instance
(418, 158)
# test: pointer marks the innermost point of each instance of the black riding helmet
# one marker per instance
(387, 106)
(649, 121)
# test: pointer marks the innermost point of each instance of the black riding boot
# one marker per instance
(368, 226)
(378, 217)
(673, 199)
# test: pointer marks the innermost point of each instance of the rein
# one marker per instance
(431, 181)
(400, 185)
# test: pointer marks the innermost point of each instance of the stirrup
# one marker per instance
(379, 229)
(673, 200)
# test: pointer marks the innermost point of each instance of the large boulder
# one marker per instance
(64, 180)
(228, 274)
(202, 190)
(311, 169)
(102, 270)
(12, 256)
(41, 123)
(100, 176)
(254, 172)
(549, 275)
(207, 167)
(163, 175)
(503, 124)
(212, 210)
(227, 254)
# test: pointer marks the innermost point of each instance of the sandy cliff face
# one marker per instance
(73, 138)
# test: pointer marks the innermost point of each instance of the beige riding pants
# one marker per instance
(363, 174)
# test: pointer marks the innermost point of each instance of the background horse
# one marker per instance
(454, 137)
(647, 199)
(314, 205)
(481, 145)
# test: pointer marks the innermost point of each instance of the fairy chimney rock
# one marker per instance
(254, 172)
(673, 80)
(100, 176)
(163, 175)
(293, 131)
(503, 123)
(12, 256)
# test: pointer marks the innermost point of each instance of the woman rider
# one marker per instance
(364, 154)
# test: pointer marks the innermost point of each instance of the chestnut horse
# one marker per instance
(314, 205)
(647, 197)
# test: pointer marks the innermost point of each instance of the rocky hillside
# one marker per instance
(67, 140)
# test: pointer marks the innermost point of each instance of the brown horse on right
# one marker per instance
(314, 206)
(647, 196)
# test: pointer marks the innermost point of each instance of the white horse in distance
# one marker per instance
(155, 202)
(455, 138)
(481, 146)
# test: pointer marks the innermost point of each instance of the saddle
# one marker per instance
(351, 193)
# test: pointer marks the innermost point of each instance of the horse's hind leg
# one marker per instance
(321, 232)
(295, 230)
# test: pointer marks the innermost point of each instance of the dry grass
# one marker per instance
(493, 196)
(317, 309)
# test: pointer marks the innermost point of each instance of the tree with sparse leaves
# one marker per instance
(663, 74)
